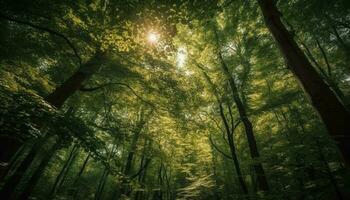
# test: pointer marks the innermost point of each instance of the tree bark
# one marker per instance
(74, 83)
(331, 110)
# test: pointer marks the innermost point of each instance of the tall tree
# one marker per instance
(331, 110)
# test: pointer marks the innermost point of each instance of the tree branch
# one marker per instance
(70, 44)
(216, 123)
(324, 56)
(83, 89)
(217, 148)
(141, 169)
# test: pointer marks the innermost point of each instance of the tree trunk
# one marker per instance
(128, 166)
(331, 110)
(233, 150)
(75, 184)
(237, 166)
(342, 44)
(30, 185)
(9, 187)
(228, 133)
(101, 183)
(68, 168)
(144, 163)
(83, 167)
(105, 174)
(259, 170)
(129, 160)
(74, 83)
(62, 173)
(299, 172)
(215, 175)
(8, 148)
(12, 163)
(329, 80)
(329, 172)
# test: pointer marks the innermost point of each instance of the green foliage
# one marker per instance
(139, 126)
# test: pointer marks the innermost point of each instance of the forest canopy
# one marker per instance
(175, 99)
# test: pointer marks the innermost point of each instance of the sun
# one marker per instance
(152, 37)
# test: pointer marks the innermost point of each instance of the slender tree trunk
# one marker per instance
(215, 174)
(233, 150)
(75, 184)
(30, 185)
(8, 148)
(259, 170)
(83, 167)
(68, 168)
(228, 133)
(142, 174)
(299, 172)
(159, 194)
(101, 184)
(104, 175)
(12, 163)
(237, 166)
(331, 110)
(324, 55)
(133, 145)
(329, 80)
(62, 173)
(128, 166)
(329, 172)
(9, 187)
(74, 83)
(129, 160)
(342, 44)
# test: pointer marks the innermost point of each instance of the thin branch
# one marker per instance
(215, 122)
(312, 58)
(231, 117)
(324, 57)
(141, 169)
(83, 89)
(224, 120)
(237, 123)
(70, 44)
(217, 148)
(234, 124)
(337, 22)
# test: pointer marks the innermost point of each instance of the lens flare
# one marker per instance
(153, 37)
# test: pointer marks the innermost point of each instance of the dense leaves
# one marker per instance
(132, 99)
